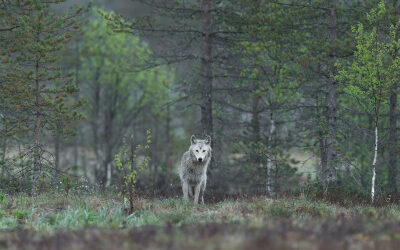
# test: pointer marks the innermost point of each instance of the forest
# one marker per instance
(297, 101)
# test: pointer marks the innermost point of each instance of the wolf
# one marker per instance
(193, 168)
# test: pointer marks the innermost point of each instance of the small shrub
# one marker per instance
(22, 200)
(278, 210)
(19, 214)
(176, 219)
(128, 164)
(67, 184)
(52, 220)
(2, 198)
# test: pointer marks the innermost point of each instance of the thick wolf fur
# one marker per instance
(193, 168)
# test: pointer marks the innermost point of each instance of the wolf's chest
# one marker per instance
(194, 173)
(195, 170)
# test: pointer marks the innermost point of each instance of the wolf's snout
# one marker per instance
(200, 159)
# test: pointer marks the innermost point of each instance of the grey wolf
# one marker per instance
(193, 168)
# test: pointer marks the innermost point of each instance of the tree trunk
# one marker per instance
(76, 137)
(108, 151)
(108, 175)
(276, 179)
(95, 129)
(393, 140)
(206, 71)
(256, 153)
(109, 117)
(374, 163)
(132, 166)
(3, 156)
(84, 165)
(168, 162)
(76, 153)
(329, 174)
(393, 123)
(4, 143)
(36, 151)
(155, 151)
(321, 140)
(270, 159)
(57, 153)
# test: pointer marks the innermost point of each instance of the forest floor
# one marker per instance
(97, 221)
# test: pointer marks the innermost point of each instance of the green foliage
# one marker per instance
(120, 63)
(34, 80)
(277, 210)
(54, 212)
(22, 200)
(270, 60)
(19, 214)
(2, 198)
(374, 68)
(127, 162)
(265, 54)
(35, 93)
(67, 183)
(124, 83)
(267, 81)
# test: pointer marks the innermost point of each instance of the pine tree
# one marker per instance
(34, 85)
(266, 78)
(197, 36)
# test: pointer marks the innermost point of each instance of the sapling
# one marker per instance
(127, 162)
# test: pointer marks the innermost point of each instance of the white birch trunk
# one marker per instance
(374, 165)
(108, 180)
(97, 169)
(269, 159)
(268, 186)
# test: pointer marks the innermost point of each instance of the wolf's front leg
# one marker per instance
(203, 187)
(197, 193)
(185, 190)
(191, 189)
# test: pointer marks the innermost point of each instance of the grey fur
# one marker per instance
(193, 168)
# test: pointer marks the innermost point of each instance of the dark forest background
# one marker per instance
(290, 92)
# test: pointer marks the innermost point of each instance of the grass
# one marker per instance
(95, 219)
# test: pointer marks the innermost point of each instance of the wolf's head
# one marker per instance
(200, 150)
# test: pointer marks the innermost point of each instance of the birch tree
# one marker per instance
(118, 86)
(372, 72)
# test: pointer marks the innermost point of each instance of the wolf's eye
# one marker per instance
(197, 150)
(204, 151)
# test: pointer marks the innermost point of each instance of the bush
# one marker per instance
(278, 210)
(19, 214)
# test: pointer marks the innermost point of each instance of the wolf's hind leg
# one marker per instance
(185, 190)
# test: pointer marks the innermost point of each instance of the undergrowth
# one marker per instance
(50, 211)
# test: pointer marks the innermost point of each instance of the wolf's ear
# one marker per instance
(208, 139)
(193, 139)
